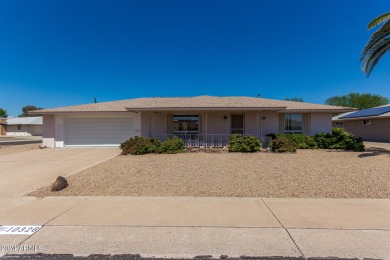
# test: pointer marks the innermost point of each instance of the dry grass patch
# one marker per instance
(306, 174)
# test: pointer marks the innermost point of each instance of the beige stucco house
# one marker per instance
(202, 120)
(371, 124)
(23, 126)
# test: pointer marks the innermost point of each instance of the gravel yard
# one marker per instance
(306, 174)
(17, 148)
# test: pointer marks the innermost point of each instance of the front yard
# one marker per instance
(306, 174)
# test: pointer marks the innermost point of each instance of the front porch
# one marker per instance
(209, 128)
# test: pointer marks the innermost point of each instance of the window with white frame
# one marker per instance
(340, 124)
(293, 123)
(367, 122)
(186, 124)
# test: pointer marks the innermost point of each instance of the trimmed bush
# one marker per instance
(172, 145)
(142, 145)
(283, 145)
(244, 144)
(302, 141)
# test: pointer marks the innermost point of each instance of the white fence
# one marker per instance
(210, 140)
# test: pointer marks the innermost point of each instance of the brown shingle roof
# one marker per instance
(200, 102)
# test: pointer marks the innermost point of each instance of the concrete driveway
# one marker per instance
(24, 172)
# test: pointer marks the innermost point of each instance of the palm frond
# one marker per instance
(371, 60)
(380, 19)
(375, 39)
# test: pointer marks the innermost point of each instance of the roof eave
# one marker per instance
(141, 109)
(360, 118)
(316, 110)
(81, 111)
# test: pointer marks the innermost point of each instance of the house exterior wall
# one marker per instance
(48, 131)
(378, 130)
(36, 130)
(159, 121)
(12, 130)
(269, 122)
(319, 122)
(217, 124)
(251, 123)
(258, 123)
(59, 130)
(145, 124)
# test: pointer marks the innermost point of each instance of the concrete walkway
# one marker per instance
(24, 172)
(188, 227)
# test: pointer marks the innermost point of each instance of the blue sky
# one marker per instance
(58, 53)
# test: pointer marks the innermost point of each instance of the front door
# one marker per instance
(237, 124)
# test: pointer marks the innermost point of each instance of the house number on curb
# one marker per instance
(18, 230)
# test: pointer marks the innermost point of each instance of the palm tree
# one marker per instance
(378, 45)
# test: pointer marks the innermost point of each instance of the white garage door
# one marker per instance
(98, 131)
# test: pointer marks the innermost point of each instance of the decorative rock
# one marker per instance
(60, 184)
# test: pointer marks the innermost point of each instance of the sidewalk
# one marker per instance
(187, 227)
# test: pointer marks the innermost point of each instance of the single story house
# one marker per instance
(24, 126)
(371, 124)
(202, 120)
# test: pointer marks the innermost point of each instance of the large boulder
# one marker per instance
(60, 184)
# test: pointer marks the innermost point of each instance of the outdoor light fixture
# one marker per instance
(225, 117)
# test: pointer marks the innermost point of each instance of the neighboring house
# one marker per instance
(203, 120)
(370, 124)
(24, 126)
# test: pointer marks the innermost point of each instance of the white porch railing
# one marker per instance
(209, 140)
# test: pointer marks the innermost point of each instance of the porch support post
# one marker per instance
(261, 123)
(205, 132)
(257, 124)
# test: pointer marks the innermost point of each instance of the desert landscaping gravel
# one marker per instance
(305, 174)
(17, 148)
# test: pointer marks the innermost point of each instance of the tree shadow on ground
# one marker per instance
(374, 151)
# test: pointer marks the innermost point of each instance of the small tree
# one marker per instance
(25, 110)
(3, 113)
(356, 100)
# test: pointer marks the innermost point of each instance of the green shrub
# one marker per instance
(140, 145)
(172, 145)
(283, 145)
(340, 139)
(346, 141)
(302, 141)
(324, 141)
(244, 144)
